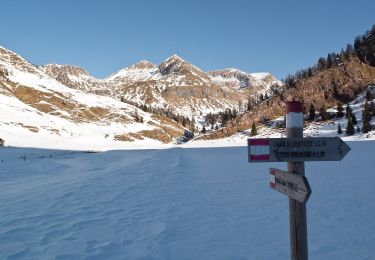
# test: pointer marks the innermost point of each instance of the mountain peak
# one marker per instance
(175, 57)
(143, 64)
(52, 69)
(175, 64)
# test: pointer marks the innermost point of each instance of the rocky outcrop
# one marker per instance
(76, 77)
(238, 79)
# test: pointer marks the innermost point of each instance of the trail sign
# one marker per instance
(294, 186)
(297, 149)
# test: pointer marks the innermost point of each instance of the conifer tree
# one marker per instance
(330, 60)
(340, 110)
(234, 113)
(322, 64)
(354, 119)
(369, 95)
(350, 127)
(249, 105)
(323, 113)
(366, 118)
(342, 56)
(372, 109)
(349, 50)
(312, 112)
(253, 129)
(339, 130)
(309, 72)
(348, 111)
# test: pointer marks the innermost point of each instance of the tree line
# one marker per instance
(363, 49)
(182, 120)
(368, 112)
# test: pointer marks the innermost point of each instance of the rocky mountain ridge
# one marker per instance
(60, 102)
(175, 85)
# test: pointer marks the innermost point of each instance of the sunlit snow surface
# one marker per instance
(177, 204)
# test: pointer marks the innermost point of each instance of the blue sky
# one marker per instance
(105, 36)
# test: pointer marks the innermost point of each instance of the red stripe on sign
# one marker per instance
(294, 106)
(259, 142)
(260, 157)
(272, 185)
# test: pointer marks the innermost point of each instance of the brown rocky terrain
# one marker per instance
(328, 87)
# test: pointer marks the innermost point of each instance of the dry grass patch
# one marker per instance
(123, 138)
(164, 121)
(136, 136)
(33, 129)
(43, 107)
(55, 131)
(157, 134)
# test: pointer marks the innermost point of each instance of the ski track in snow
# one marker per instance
(177, 203)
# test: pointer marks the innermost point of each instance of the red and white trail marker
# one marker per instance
(259, 149)
(294, 115)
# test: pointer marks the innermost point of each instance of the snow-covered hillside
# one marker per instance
(237, 79)
(276, 128)
(177, 204)
(38, 111)
(63, 106)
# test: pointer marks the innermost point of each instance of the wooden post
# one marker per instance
(297, 210)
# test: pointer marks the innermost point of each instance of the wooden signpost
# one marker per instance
(294, 186)
(295, 150)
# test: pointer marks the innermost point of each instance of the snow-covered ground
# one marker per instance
(177, 204)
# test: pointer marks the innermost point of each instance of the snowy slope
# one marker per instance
(177, 204)
(67, 91)
(141, 71)
(38, 111)
(76, 78)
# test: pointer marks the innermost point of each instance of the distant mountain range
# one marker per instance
(173, 85)
(64, 106)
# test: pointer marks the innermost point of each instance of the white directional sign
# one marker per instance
(296, 149)
(294, 186)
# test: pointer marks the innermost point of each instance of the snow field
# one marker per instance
(177, 204)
